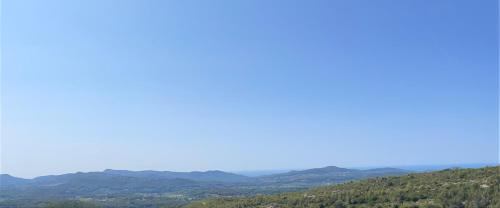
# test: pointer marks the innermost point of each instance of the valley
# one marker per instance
(120, 188)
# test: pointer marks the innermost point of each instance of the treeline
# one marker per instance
(451, 188)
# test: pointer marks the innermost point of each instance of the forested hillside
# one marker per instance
(123, 188)
(453, 188)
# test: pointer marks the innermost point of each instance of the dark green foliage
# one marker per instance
(452, 188)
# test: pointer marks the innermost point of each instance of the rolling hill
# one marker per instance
(453, 188)
(213, 175)
(326, 176)
(8, 180)
(119, 187)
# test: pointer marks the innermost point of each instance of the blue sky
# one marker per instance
(244, 85)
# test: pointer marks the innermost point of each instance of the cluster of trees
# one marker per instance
(452, 188)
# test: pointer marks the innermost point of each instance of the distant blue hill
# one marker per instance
(8, 180)
(213, 175)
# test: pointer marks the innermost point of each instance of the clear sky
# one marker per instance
(251, 84)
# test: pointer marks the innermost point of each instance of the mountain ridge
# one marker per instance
(8, 180)
(184, 174)
(164, 187)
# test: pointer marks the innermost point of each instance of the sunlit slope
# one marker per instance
(448, 188)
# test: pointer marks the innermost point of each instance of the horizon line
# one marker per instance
(240, 172)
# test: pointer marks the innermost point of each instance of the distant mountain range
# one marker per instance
(8, 180)
(316, 176)
(110, 184)
(214, 175)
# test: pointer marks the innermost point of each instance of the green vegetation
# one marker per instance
(452, 188)
(137, 189)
